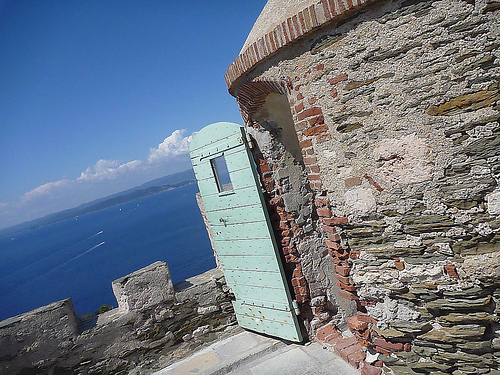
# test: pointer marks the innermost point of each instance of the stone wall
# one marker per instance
(155, 324)
(396, 110)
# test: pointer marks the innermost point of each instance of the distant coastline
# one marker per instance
(152, 187)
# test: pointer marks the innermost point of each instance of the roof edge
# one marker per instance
(293, 28)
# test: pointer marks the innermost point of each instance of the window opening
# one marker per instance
(221, 174)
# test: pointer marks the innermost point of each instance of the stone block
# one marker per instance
(44, 334)
(455, 334)
(145, 288)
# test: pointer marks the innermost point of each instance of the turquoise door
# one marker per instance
(243, 236)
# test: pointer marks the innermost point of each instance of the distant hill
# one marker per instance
(152, 187)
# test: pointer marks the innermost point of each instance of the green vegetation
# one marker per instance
(101, 310)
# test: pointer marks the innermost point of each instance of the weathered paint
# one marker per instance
(242, 233)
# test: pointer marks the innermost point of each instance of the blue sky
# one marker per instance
(100, 96)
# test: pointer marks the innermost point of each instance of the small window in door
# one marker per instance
(221, 174)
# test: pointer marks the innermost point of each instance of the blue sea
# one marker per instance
(81, 256)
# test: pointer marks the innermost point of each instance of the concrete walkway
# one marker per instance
(251, 354)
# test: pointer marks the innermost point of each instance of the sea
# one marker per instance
(81, 256)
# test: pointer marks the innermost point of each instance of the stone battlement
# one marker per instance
(155, 323)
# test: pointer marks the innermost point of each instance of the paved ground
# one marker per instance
(251, 354)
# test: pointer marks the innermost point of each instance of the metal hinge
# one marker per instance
(296, 307)
(249, 141)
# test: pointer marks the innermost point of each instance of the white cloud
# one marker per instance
(104, 178)
(108, 170)
(45, 189)
(174, 145)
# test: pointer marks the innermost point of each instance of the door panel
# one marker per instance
(243, 235)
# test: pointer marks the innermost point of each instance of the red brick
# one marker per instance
(348, 295)
(334, 92)
(328, 229)
(373, 183)
(345, 343)
(300, 281)
(310, 160)
(366, 318)
(318, 120)
(333, 339)
(299, 107)
(313, 177)
(267, 177)
(340, 220)
(325, 331)
(367, 369)
(315, 130)
(284, 225)
(264, 168)
(344, 279)
(451, 270)
(344, 263)
(344, 271)
(276, 201)
(300, 290)
(362, 341)
(286, 233)
(394, 346)
(300, 96)
(382, 350)
(270, 185)
(350, 288)
(288, 250)
(366, 303)
(407, 347)
(301, 298)
(321, 202)
(316, 185)
(332, 244)
(399, 265)
(282, 215)
(354, 254)
(314, 111)
(337, 79)
(319, 67)
(312, 100)
(297, 272)
(341, 254)
(344, 353)
(333, 237)
(366, 334)
(356, 358)
(316, 310)
(305, 144)
(355, 324)
(313, 168)
(324, 212)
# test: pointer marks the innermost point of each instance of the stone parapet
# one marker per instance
(155, 324)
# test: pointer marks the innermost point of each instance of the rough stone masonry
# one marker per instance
(377, 137)
(155, 324)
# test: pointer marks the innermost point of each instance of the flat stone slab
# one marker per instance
(251, 354)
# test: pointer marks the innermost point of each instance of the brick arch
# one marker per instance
(251, 95)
